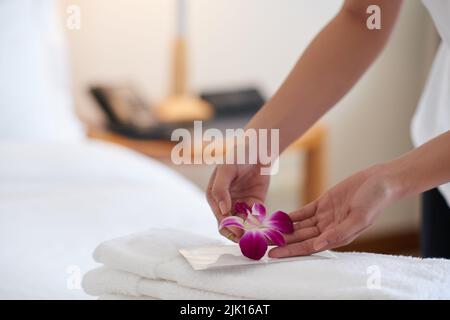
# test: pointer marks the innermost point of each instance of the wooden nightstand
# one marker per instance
(312, 143)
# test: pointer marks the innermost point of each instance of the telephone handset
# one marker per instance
(128, 115)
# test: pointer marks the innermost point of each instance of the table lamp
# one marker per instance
(181, 106)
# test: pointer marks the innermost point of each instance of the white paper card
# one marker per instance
(220, 256)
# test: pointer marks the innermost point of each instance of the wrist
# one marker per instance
(392, 180)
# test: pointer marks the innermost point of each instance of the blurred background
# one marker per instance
(232, 45)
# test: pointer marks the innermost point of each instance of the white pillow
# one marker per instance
(36, 103)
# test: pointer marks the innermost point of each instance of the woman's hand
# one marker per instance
(340, 215)
(346, 210)
(231, 183)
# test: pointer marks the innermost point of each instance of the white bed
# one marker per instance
(58, 201)
(59, 194)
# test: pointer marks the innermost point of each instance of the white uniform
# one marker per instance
(432, 116)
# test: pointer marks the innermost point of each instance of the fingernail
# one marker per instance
(222, 207)
(230, 236)
(320, 245)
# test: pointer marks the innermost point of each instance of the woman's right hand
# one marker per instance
(231, 183)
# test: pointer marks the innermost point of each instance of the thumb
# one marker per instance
(221, 189)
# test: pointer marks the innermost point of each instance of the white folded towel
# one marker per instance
(105, 280)
(133, 263)
(111, 296)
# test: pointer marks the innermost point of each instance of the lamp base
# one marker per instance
(183, 108)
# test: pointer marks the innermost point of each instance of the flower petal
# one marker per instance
(232, 221)
(275, 236)
(242, 208)
(259, 211)
(253, 244)
(280, 221)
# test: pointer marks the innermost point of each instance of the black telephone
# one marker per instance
(128, 115)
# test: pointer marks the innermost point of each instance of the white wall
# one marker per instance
(238, 42)
(232, 42)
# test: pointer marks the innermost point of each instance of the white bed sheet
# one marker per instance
(59, 201)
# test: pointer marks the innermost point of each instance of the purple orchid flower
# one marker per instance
(259, 228)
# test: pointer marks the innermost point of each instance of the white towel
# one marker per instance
(153, 255)
(103, 280)
(110, 296)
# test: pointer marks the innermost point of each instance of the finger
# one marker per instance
(303, 248)
(228, 234)
(338, 234)
(304, 213)
(302, 235)
(233, 235)
(211, 180)
(310, 222)
(237, 232)
(221, 189)
(212, 202)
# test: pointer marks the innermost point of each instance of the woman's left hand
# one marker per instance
(340, 215)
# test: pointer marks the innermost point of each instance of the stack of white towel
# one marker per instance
(148, 266)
